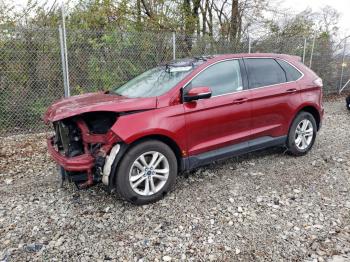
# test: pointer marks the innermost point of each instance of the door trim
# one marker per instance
(195, 161)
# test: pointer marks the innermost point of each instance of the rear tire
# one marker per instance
(147, 172)
(348, 102)
(302, 134)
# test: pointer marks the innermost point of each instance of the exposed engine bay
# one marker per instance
(85, 137)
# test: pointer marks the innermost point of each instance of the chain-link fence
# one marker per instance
(344, 63)
(101, 60)
(31, 67)
(30, 77)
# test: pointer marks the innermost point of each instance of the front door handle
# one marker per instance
(240, 100)
(292, 90)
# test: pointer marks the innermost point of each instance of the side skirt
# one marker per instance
(195, 161)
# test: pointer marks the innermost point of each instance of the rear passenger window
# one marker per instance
(264, 72)
(222, 78)
(291, 73)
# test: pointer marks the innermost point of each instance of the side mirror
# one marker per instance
(197, 93)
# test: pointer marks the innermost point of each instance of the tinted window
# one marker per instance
(291, 73)
(222, 78)
(264, 72)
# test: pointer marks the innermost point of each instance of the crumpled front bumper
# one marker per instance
(75, 164)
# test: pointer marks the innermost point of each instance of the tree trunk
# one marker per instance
(234, 27)
(198, 23)
(188, 25)
(210, 24)
(191, 21)
(138, 19)
(204, 17)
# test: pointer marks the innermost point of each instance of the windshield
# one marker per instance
(154, 82)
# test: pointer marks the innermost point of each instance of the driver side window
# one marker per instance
(222, 78)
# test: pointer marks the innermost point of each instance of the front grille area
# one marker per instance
(68, 138)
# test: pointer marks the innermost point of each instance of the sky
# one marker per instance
(295, 6)
(342, 6)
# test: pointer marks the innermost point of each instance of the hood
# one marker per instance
(93, 102)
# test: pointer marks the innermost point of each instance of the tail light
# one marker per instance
(318, 82)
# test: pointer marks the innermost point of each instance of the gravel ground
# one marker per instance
(262, 206)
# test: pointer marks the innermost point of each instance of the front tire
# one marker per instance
(147, 172)
(302, 134)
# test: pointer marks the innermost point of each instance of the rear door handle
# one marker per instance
(240, 100)
(292, 90)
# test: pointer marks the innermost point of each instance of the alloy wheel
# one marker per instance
(304, 134)
(149, 173)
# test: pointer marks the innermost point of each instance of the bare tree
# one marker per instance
(329, 18)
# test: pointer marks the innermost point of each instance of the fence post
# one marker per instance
(174, 46)
(342, 66)
(312, 50)
(64, 71)
(304, 50)
(64, 41)
(249, 45)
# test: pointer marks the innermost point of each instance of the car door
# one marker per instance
(224, 118)
(274, 96)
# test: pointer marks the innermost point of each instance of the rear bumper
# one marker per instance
(75, 164)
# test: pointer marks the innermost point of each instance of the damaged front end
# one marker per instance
(85, 147)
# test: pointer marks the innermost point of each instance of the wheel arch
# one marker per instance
(125, 147)
(313, 111)
(166, 140)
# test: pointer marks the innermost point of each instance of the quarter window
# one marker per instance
(264, 72)
(292, 74)
(222, 78)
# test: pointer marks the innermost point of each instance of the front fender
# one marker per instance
(168, 121)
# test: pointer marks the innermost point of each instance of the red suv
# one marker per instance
(182, 115)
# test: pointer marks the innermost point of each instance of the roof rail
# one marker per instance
(203, 57)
